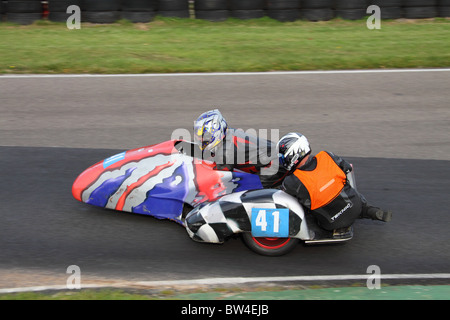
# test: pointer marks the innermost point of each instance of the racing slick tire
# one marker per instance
(272, 247)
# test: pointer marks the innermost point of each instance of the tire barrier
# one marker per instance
(444, 8)
(390, 9)
(317, 10)
(109, 11)
(2, 10)
(173, 8)
(58, 9)
(100, 11)
(283, 10)
(212, 10)
(247, 9)
(351, 9)
(23, 11)
(419, 9)
(139, 10)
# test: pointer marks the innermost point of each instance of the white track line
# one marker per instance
(232, 281)
(270, 73)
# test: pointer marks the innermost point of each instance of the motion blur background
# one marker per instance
(109, 11)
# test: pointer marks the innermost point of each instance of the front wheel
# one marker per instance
(273, 247)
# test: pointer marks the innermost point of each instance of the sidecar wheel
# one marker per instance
(273, 247)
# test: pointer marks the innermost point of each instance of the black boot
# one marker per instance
(374, 213)
(343, 233)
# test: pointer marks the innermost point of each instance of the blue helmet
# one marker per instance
(210, 129)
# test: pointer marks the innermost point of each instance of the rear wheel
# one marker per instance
(273, 247)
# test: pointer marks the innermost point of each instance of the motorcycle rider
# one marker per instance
(320, 184)
(235, 149)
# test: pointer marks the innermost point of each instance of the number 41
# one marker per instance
(261, 221)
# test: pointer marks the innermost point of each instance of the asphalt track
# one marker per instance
(394, 128)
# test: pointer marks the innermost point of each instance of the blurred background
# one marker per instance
(109, 11)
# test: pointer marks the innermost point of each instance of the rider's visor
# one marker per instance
(202, 137)
(281, 159)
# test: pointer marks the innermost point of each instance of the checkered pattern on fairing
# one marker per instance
(215, 221)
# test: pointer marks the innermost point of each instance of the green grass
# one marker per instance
(189, 45)
(75, 295)
(406, 292)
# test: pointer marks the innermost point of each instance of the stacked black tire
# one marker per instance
(390, 9)
(351, 9)
(58, 9)
(109, 11)
(2, 10)
(419, 9)
(100, 11)
(212, 10)
(283, 10)
(174, 8)
(247, 9)
(444, 8)
(24, 11)
(316, 10)
(139, 10)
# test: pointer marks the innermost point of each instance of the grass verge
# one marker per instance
(409, 292)
(189, 45)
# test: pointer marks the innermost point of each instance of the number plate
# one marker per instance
(270, 223)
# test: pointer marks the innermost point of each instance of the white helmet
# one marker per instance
(292, 148)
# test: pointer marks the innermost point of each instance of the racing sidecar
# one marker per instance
(167, 181)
